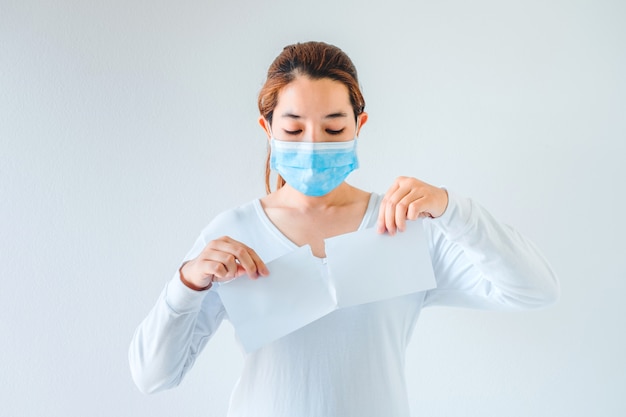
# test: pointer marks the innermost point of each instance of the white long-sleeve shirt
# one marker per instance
(351, 361)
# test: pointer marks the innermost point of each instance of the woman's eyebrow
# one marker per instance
(336, 115)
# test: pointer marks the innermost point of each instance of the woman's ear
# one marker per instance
(360, 121)
(266, 126)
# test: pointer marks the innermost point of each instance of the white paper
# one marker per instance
(292, 296)
(366, 266)
(359, 268)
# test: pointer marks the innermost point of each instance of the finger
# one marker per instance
(397, 206)
(220, 257)
(406, 207)
(219, 263)
(239, 258)
(380, 223)
(250, 263)
(400, 214)
(260, 265)
(390, 217)
(382, 211)
(415, 209)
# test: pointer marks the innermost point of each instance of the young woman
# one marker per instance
(351, 361)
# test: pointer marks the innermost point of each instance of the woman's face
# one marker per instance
(311, 110)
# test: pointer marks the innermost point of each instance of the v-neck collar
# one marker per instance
(263, 217)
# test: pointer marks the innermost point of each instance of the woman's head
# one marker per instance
(314, 61)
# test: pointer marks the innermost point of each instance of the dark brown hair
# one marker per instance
(312, 59)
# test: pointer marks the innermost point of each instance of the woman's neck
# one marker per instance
(289, 197)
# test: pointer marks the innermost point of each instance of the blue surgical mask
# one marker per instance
(313, 168)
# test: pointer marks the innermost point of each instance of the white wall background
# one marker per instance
(125, 126)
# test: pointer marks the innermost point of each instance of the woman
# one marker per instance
(350, 362)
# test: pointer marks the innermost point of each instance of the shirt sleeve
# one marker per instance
(480, 263)
(168, 341)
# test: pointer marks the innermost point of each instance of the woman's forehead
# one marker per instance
(320, 97)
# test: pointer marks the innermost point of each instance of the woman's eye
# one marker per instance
(293, 132)
(335, 132)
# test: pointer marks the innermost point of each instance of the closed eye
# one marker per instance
(293, 132)
(335, 132)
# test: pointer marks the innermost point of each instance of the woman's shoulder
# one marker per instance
(230, 221)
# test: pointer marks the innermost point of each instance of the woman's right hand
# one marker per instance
(221, 260)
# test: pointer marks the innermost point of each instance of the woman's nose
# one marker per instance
(313, 134)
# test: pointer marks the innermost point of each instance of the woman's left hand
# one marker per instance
(409, 198)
